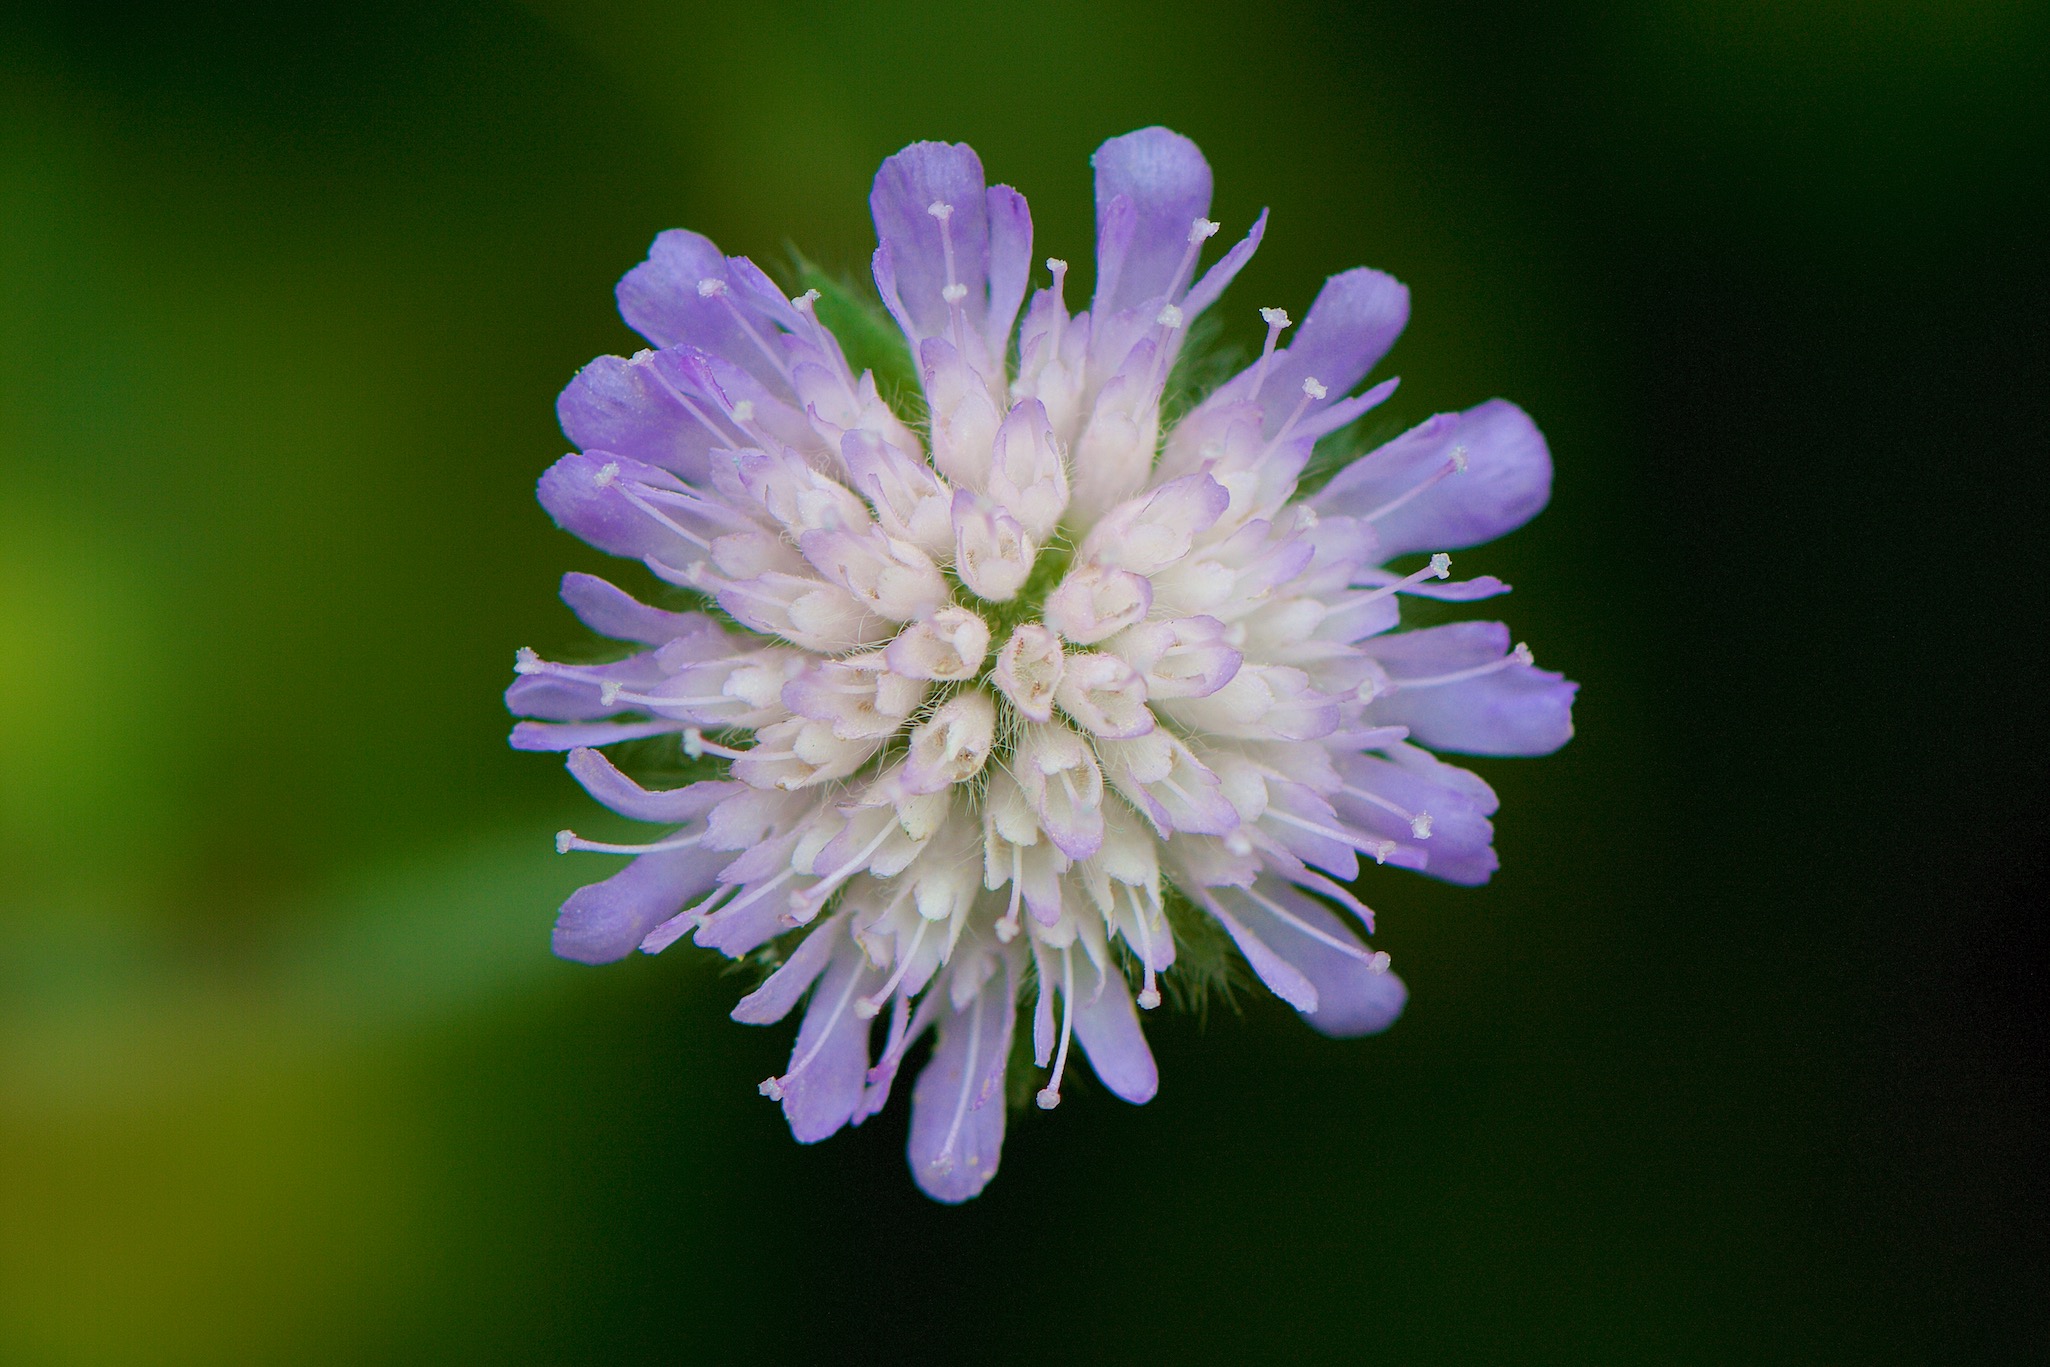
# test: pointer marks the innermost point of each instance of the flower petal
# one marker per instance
(665, 805)
(548, 736)
(1205, 291)
(642, 408)
(1489, 472)
(773, 1000)
(1354, 997)
(913, 247)
(687, 293)
(1282, 977)
(1356, 317)
(605, 921)
(1164, 178)
(830, 1060)
(1497, 709)
(957, 1108)
(1010, 264)
(584, 496)
(1108, 1030)
(1458, 844)
(612, 611)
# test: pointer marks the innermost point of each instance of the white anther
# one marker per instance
(1050, 1095)
(607, 472)
(1441, 565)
(1149, 997)
(805, 300)
(1459, 460)
(1203, 229)
(1274, 318)
(1056, 265)
(565, 841)
(1379, 962)
(1420, 825)
(710, 288)
(608, 692)
(1313, 389)
(744, 411)
(526, 661)
(697, 747)
(1522, 654)
(1169, 317)
(772, 1088)
(954, 294)
(940, 210)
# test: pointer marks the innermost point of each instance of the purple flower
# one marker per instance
(1015, 706)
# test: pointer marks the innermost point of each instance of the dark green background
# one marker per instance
(1739, 1059)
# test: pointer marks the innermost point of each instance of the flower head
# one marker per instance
(1014, 706)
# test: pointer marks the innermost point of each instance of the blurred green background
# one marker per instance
(1739, 1060)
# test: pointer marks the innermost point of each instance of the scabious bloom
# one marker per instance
(1007, 704)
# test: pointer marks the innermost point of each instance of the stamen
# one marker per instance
(896, 1046)
(1378, 849)
(954, 291)
(1201, 230)
(1419, 822)
(1007, 928)
(773, 1087)
(566, 841)
(900, 1019)
(1059, 268)
(969, 1069)
(1338, 893)
(807, 305)
(1169, 317)
(1050, 1093)
(695, 746)
(689, 404)
(821, 890)
(608, 476)
(716, 289)
(761, 890)
(869, 1007)
(1312, 391)
(1276, 320)
(1347, 946)
(618, 694)
(1454, 465)
(610, 691)
(1149, 994)
(1519, 656)
(1439, 568)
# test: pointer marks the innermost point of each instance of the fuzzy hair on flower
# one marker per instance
(1034, 687)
